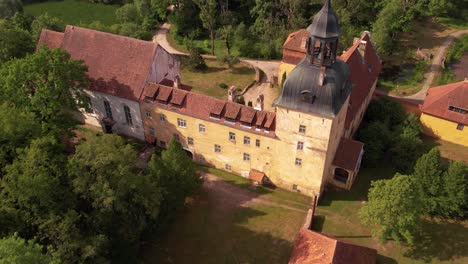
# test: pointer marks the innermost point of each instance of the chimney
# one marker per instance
(259, 103)
(232, 94)
(177, 82)
(466, 80)
(322, 76)
(362, 48)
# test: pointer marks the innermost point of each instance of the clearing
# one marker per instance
(229, 222)
(337, 215)
(74, 12)
(210, 81)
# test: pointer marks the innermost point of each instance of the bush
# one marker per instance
(195, 60)
(223, 85)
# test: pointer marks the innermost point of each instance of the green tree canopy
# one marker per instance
(45, 22)
(428, 174)
(14, 42)
(8, 8)
(15, 249)
(48, 83)
(394, 208)
(455, 181)
(208, 16)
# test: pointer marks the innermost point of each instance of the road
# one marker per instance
(436, 66)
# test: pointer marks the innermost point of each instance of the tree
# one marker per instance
(394, 209)
(455, 181)
(127, 13)
(14, 42)
(36, 182)
(45, 22)
(385, 110)
(15, 249)
(428, 175)
(227, 34)
(9, 8)
(208, 17)
(119, 199)
(48, 83)
(177, 177)
(17, 129)
(376, 137)
(195, 61)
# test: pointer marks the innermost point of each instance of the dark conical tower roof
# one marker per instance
(325, 24)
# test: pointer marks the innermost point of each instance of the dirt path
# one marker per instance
(436, 66)
(231, 196)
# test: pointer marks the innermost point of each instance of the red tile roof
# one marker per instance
(232, 110)
(247, 114)
(440, 98)
(50, 39)
(178, 96)
(201, 106)
(256, 176)
(348, 153)
(365, 69)
(152, 89)
(315, 248)
(164, 92)
(117, 65)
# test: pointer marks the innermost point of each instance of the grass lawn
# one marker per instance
(207, 82)
(221, 227)
(204, 45)
(448, 150)
(74, 12)
(337, 215)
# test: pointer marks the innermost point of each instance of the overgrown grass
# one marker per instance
(407, 82)
(204, 45)
(208, 81)
(74, 12)
(293, 199)
(452, 22)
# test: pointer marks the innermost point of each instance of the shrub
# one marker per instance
(223, 85)
(195, 60)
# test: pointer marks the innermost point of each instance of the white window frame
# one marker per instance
(298, 162)
(300, 145)
(190, 141)
(202, 128)
(302, 129)
(181, 123)
(148, 114)
(246, 157)
(246, 140)
(162, 117)
(217, 148)
(232, 136)
(108, 109)
(128, 115)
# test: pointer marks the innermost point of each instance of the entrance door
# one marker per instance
(108, 129)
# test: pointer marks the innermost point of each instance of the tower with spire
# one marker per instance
(314, 101)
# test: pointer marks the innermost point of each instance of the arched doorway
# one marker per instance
(189, 153)
(341, 175)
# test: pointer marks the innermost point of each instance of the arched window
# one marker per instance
(128, 115)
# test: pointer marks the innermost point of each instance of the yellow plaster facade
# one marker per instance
(444, 129)
(275, 156)
(284, 68)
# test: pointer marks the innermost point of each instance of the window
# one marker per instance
(108, 109)
(229, 120)
(190, 141)
(246, 157)
(89, 108)
(162, 143)
(302, 129)
(201, 128)
(228, 167)
(151, 131)
(176, 136)
(298, 162)
(294, 187)
(181, 123)
(458, 110)
(341, 175)
(460, 126)
(246, 140)
(257, 143)
(128, 115)
(232, 136)
(217, 148)
(148, 114)
(300, 145)
(162, 117)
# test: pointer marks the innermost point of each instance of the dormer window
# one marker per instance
(457, 109)
(215, 116)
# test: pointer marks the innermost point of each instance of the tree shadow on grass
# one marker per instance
(442, 240)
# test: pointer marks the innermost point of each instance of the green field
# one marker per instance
(207, 81)
(74, 12)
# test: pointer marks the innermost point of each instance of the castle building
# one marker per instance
(304, 144)
(118, 69)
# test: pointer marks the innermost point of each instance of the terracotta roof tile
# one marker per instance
(440, 98)
(261, 117)
(232, 110)
(256, 175)
(315, 248)
(217, 108)
(50, 39)
(296, 41)
(170, 83)
(164, 93)
(109, 58)
(201, 106)
(178, 96)
(270, 119)
(151, 90)
(348, 153)
(247, 114)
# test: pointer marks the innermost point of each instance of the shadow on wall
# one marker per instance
(216, 228)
